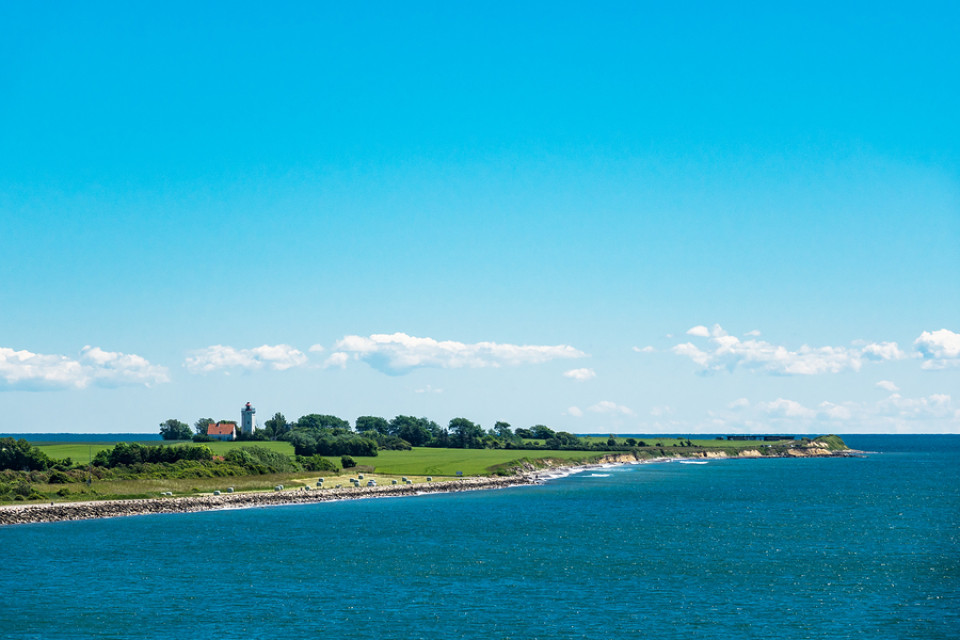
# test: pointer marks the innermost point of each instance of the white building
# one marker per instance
(248, 420)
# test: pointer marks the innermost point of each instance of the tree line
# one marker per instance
(329, 435)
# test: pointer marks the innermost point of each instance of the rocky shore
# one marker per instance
(57, 512)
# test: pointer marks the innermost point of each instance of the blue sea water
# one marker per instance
(785, 548)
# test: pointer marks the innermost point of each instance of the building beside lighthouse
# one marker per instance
(248, 420)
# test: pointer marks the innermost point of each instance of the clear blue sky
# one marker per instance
(603, 217)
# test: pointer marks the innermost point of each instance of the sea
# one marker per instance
(865, 547)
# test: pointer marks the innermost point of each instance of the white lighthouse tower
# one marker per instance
(248, 420)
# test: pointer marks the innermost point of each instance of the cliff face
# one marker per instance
(822, 447)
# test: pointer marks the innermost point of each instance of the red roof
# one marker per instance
(220, 429)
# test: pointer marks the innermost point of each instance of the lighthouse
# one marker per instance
(248, 419)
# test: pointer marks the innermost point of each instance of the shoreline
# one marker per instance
(96, 509)
(37, 513)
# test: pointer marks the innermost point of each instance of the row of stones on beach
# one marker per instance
(114, 508)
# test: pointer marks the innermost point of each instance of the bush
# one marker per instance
(347, 462)
(317, 463)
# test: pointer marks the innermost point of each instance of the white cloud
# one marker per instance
(785, 409)
(935, 406)
(647, 349)
(278, 357)
(24, 370)
(606, 406)
(428, 389)
(580, 374)
(317, 348)
(935, 413)
(939, 349)
(700, 331)
(886, 385)
(753, 334)
(398, 353)
(338, 359)
(883, 351)
(739, 403)
(729, 352)
(576, 412)
(663, 410)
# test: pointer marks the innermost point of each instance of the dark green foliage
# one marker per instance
(173, 429)
(347, 462)
(201, 437)
(466, 434)
(387, 443)
(374, 423)
(541, 432)
(260, 459)
(416, 433)
(317, 463)
(132, 453)
(400, 422)
(276, 426)
(21, 455)
(327, 444)
(257, 436)
(317, 422)
(200, 426)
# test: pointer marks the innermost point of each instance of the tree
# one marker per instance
(399, 422)
(317, 422)
(467, 433)
(200, 426)
(20, 454)
(541, 432)
(502, 430)
(373, 423)
(415, 433)
(276, 426)
(173, 429)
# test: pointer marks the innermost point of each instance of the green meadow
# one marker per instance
(422, 461)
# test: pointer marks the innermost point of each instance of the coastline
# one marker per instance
(36, 513)
(89, 510)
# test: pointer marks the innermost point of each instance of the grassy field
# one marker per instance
(419, 461)
(83, 452)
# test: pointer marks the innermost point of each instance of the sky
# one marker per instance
(603, 217)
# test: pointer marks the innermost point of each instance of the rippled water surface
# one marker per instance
(835, 548)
